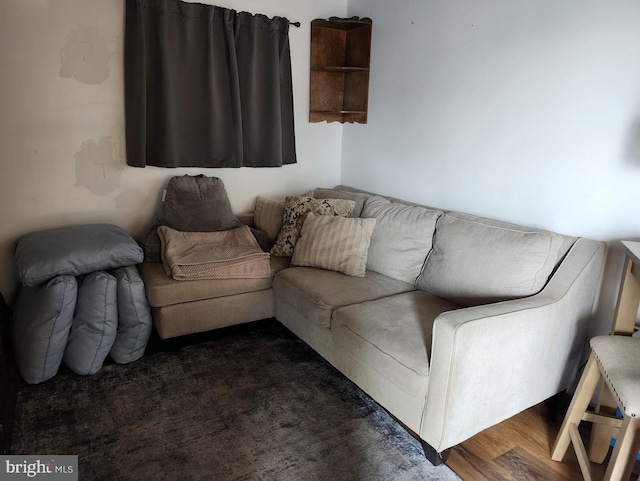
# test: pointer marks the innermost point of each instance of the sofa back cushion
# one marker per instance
(402, 237)
(477, 260)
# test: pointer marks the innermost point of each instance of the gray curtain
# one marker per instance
(206, 86)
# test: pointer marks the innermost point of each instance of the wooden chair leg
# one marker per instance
(625, 451)
(579, 403)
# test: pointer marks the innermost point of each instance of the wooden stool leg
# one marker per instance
(601, 434)
(579, 403)
(624, 454)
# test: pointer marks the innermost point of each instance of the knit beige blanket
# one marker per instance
(230, 254)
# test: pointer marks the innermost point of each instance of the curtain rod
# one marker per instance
(295, 24)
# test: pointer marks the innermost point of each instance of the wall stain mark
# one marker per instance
(96, 169)
(86, 56)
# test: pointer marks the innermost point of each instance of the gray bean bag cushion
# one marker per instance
(42, 321)
(191, 204)
(74, 251)
(134, 317)
(94, 325)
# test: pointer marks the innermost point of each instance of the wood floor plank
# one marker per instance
(488, 445)
(523, 465)
(471, 467)
(520, 448)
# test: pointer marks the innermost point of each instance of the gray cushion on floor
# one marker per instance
(42, 321)
(73, 251)
(134, 317)
(94, 325)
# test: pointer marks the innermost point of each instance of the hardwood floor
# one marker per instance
(519, 449)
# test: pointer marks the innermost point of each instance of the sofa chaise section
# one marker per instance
(187, 307)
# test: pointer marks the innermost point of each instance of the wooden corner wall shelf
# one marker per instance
(340, 56)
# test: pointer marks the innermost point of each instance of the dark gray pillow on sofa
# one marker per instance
(191, 204)
(42, 321)
(134, 317)
(197, 204)
(74, 251)
(94, 324)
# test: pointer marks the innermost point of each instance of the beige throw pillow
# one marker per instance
(334, 243)
(295, 209)
(268, 216)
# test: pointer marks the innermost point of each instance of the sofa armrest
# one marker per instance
(490, 362)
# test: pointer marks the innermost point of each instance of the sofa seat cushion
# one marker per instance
(163, 290)
(317, 292)
(391, 335)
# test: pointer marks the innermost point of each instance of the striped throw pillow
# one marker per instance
(334, 243)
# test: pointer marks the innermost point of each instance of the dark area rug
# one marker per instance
(258, 405)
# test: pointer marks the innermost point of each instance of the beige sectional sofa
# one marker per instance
(459, 323)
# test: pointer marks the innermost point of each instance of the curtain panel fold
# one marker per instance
(206, 86)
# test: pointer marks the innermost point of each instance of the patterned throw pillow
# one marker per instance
(295, 210)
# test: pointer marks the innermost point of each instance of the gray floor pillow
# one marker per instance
(134, 317)
(94, 325)
(42, 321)
(74, 251)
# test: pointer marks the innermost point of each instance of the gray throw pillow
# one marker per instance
(197, 204)
(191, 204)
(76, 250)
(94, 325)
(134, 317)
(42, 320)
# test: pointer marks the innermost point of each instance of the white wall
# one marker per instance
(524, 111)
(62, 122)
